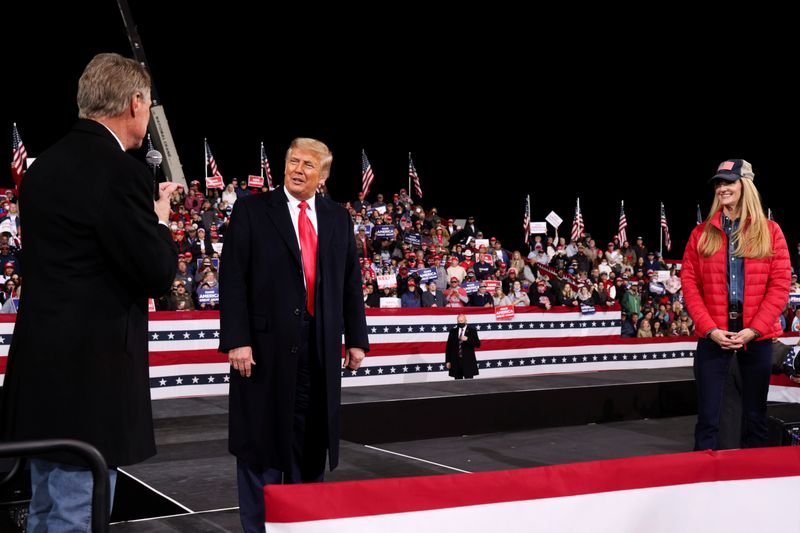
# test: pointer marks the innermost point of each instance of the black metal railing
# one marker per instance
(87, 452)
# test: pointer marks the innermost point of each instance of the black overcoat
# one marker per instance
(262, 297)
(466, 365)
(94, 252)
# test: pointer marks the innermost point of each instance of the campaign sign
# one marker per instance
(538, 228)
(554, 219)
(491, 285)
(587, 309)
(151, 305)
(413, 239)
(255, 181)
(471, 287)
(425, 274)
(504, 312)
(662, 275)
(214, 262)
(794, 298)
(387, 280)
(215, 182)
(390, 303)
(384, 232)
(481, 242)
(208, 295)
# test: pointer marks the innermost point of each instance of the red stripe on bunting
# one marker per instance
(409, 348)
(187, 357)
(320, 501)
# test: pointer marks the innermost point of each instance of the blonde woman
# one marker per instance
(735, 278)
(517, 261)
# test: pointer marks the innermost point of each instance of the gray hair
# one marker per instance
(107, 85)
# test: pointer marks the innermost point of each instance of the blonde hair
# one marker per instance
(753, 238)
(318, 147)
(108, 84)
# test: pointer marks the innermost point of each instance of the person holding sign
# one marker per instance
(735, 276)
(291, 286)
(460, 351)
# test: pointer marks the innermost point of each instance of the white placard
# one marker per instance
(539, 228)
(387, 281)
(481, 242)
(554, 219)
(662, 275)
(390, 303)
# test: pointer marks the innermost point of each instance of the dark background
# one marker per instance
(490, 107)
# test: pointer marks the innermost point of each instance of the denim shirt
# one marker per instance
(735, 265)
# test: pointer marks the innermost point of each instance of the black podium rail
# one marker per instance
(80, 449)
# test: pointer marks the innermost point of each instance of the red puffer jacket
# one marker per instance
(766, 284)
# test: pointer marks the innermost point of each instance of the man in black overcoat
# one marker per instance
(282, 326)
(460, 350)
(78, 363)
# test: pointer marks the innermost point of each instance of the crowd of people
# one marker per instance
(413, 257)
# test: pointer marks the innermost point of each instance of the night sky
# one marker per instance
(489, 115)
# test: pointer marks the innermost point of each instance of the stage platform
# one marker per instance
(498, 424)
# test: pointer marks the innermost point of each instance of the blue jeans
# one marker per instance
(61, 499)
(711, 367)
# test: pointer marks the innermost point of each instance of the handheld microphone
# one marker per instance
(154, 158)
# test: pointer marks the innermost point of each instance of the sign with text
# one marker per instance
(425, 274)
(662, 275)
(387, 281)
(367, 229)
(491, 285)
(504, 312)
(381, 209)
(538, 227)
(215, 182)
(384, 232)
(471, 287)
(390, 303)
(794, 298)
(151, 305)
(214, 263)
(554, 219)
(587, 309)
(413, 238)
(208, 296)
(255, 181)
(481, 242)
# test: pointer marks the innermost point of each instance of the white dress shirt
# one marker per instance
(294, 213)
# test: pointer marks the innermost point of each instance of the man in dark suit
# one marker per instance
(78, 365)
(460, 350)
(291, 285)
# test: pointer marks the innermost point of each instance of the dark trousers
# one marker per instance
(309, 444)
(712, 372)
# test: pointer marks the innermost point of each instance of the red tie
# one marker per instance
(308, 249)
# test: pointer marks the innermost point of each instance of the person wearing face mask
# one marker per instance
(735, 279)
(460, 352)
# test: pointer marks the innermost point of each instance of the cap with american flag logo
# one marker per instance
(734, 170)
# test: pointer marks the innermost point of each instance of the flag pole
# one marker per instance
(261, 163)
(409, 176)
(661, 233)
(205, 172)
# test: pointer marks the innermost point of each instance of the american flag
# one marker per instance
(210, 162)
(623, 223)
(366, 174)
(412, 173)
(265, 167)
(526, 220)
(577, 222)
(19, 155)
(667, 240)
